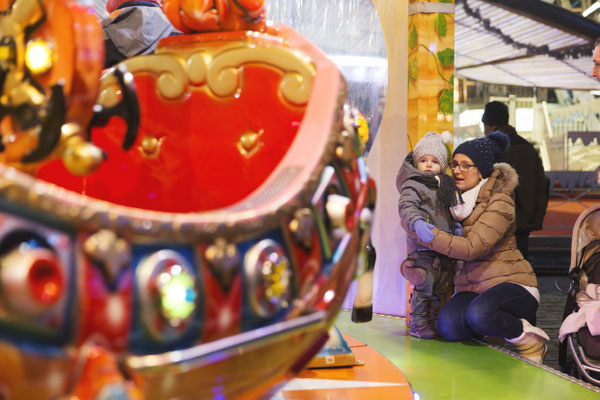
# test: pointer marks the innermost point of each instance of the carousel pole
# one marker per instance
(430, 73)
(384, 160)
(419, 99)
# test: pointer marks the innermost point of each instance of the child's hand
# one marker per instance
(423, 230)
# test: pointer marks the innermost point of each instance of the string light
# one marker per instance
(560, 54)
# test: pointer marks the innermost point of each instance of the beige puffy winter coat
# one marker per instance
(488, 245)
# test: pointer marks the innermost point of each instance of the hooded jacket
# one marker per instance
(531, 195)
(419, 201)
(134, 31)
(488, 245)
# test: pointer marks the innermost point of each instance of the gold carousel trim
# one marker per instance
(220, 72)
(172, 79)
(296, 83)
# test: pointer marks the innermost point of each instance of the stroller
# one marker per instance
(579, 351)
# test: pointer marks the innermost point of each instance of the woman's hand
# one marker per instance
(424, 230)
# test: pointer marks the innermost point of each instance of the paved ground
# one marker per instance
(549, 314)
(553, 290)
(550, 258)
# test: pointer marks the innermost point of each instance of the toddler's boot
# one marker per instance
(421, 330)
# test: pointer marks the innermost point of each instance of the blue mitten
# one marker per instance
(423, 230)
(457, 230)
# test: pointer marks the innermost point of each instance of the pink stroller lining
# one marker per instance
(588, 313)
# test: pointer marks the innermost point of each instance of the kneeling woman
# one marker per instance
(495, 287)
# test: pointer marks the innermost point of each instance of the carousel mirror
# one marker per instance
(350, 33)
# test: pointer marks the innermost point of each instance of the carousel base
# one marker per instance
(396, 364)
(373, 377)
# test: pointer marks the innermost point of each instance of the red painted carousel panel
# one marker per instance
(309, 264)
(222, 309)
(106, 315)
(199, 139)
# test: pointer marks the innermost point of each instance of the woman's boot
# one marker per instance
(532, 342)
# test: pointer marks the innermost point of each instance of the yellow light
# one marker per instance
(363, 127)
(6, 53)
(38, 56)
(178, 296)
(277, 279)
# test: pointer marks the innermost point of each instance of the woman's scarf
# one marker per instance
(461, 211)
(447, 192)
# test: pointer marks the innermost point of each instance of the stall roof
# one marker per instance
(483, 53)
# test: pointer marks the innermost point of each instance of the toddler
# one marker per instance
(426, 193)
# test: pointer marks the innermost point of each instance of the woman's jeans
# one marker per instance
(495, 312)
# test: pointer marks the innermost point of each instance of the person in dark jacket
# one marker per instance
(531, 195)
(133, 28)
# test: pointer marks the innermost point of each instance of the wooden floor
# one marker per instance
(375, 378)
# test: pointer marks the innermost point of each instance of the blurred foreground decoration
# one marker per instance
(191, 220)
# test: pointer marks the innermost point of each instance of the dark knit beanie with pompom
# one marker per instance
(485, 151)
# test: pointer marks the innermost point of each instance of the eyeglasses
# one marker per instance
(463, 166)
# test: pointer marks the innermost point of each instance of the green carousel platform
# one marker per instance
(397, 366)
(442, 370)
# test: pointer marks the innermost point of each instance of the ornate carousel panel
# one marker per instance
(184, 224)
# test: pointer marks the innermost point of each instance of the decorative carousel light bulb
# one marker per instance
(32, 279)
(328, 296)
(45, 281)
(38, 56)
(277, 279)
(168, 293)
(178, 295)
(270, 276)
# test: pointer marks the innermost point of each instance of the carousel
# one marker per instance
(188, 224)
(183, 225)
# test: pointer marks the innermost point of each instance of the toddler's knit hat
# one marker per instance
(485, 151)
(433, 144)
